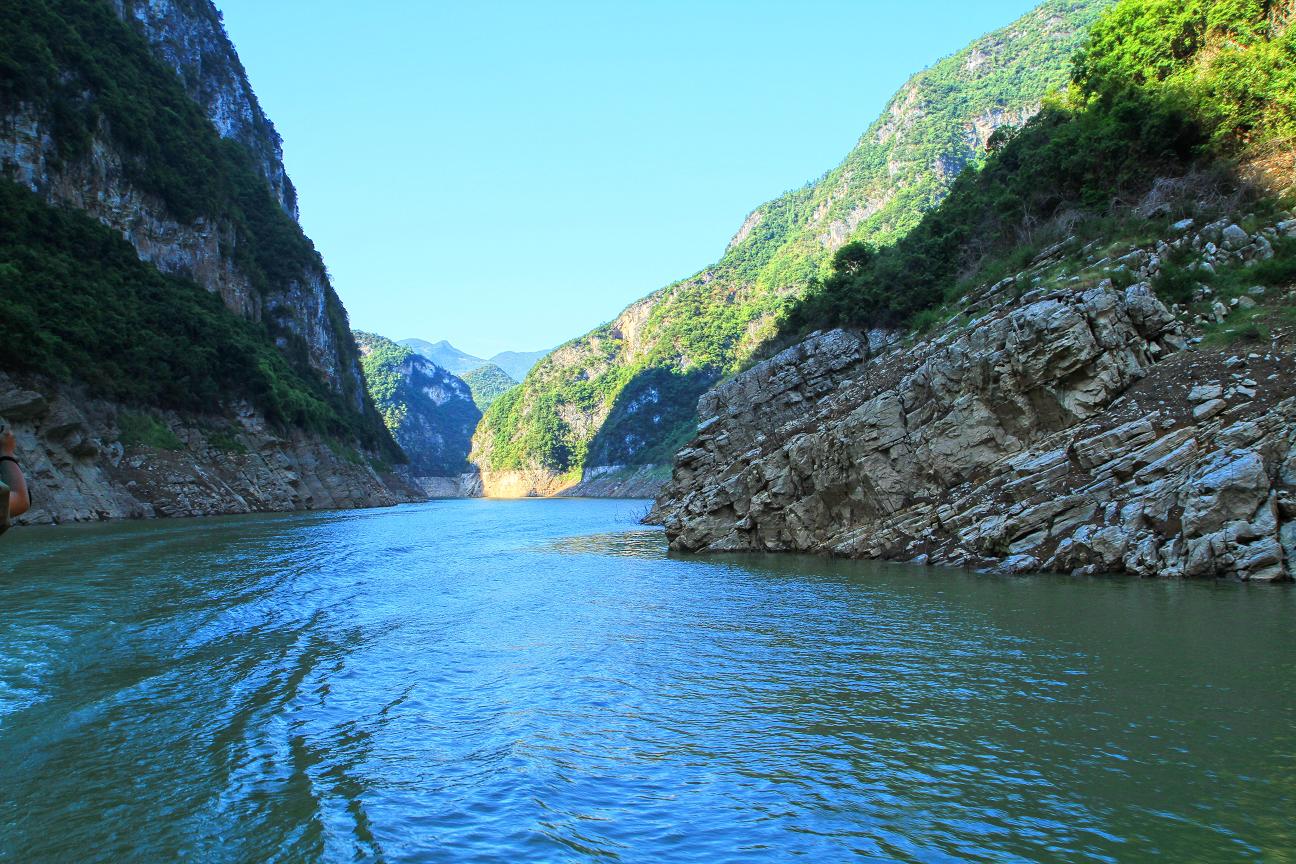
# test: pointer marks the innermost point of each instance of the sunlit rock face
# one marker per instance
(1064, 427)
(189, 37)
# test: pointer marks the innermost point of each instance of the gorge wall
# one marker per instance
(140, 115)
(430, 412)
(89, 459)
(189, 37)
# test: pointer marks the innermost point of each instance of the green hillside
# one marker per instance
(625, 393)
(1164, 89)
(80, 306)
(488, 383)
(429, 411)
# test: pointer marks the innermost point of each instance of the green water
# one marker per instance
(540, 681)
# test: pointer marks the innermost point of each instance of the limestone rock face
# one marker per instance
(429, 411)
(230, 461)
(81, 466)
(1062, 429)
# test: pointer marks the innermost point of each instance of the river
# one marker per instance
(541, 681)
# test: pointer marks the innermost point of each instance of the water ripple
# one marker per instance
(543, 681)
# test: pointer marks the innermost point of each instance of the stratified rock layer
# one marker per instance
(1066, 429)
(79, 469)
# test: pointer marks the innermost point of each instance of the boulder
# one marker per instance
(20, 405)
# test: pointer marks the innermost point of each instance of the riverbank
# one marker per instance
(89, 460)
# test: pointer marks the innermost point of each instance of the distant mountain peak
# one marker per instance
(516, 364)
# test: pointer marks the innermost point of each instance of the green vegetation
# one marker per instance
(120, 326)
(80, 306)
(585, 402)
(381, 360)
(429, 411)
(1163, 89)
(487, 384)
(145, 430)
(226, 442)
(88, 74)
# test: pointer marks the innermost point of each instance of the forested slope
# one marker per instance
(625, 393)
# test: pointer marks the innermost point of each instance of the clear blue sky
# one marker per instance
(507, 175)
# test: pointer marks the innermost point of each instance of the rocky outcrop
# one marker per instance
(467, 485)
(1065, 427)
(86, 460)
(620, 481)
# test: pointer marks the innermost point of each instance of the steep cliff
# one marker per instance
(430, 412)
(624, 394)
(90, 117)
(189, 37)
(152, 267)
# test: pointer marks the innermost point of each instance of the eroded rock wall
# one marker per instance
(79, 468)
(1069, 427)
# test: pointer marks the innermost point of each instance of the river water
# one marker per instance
(540, 681)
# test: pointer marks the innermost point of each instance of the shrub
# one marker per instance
(146, 430)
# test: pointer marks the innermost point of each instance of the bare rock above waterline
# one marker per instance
(87, 460)
(1065, 427)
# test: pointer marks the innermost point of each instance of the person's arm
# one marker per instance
(12, 476)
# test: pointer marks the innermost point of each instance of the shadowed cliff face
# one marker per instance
(582, 406)
(139, 114)
(1064, 427)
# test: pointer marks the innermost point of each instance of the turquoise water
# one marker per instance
(541, 681)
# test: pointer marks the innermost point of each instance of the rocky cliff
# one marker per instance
(139, 115)
(89, 459)
(138, 157)
(430, 412)
(1059, 422)
(189, 37)
(624, 394)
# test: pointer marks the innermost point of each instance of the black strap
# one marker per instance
(9, 459)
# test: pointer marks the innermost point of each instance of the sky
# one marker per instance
(508, 175)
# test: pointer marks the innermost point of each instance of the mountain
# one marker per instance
(1082, 361)
(444, 355)
(625, 393)
(515, 364)
(488, 383)
(429, 411)
(156, 278)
